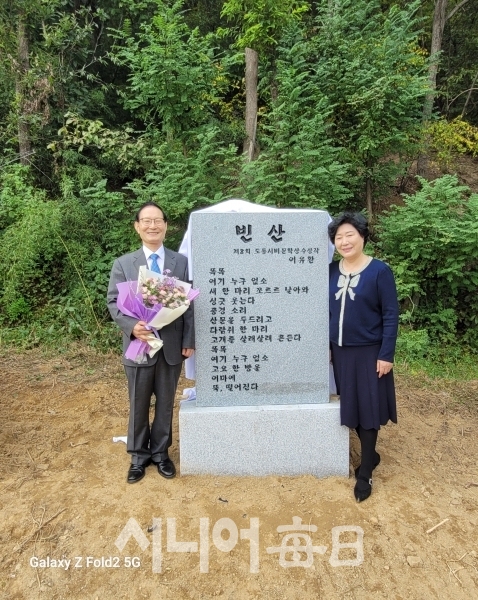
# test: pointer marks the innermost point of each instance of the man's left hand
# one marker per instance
(188, 352)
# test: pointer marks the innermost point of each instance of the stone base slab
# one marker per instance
(299, 439)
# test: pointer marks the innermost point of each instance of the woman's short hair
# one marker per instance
(145, 205)
(356, 219)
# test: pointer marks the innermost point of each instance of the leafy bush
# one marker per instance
(431, 244)
(450, 138)
(16, 193)
(412, 344)
(368, 65)
(57, 255)
(174, 76)
(31, 254)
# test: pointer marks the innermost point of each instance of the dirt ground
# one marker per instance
(64, 497)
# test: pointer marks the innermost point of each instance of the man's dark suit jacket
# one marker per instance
(177, 335)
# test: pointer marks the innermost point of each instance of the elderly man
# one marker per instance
(159, 375)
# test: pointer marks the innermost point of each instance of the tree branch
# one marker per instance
(454, 10)
(472, 89)
(469, 94)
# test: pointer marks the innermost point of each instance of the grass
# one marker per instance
(444, 378)
(57, 338)
(450, 363)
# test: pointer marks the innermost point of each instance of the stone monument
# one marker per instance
(262, 360)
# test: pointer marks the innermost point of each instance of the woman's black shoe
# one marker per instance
(363, 488)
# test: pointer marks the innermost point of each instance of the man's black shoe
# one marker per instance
(166, 468)
(136, 473)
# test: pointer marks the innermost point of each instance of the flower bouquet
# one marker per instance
(159, 300)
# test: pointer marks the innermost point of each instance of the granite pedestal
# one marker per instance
(287, 440)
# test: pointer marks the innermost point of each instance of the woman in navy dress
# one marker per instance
(363, 331)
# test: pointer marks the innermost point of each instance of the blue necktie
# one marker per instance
(154, 263)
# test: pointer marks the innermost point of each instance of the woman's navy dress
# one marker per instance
(363, 329)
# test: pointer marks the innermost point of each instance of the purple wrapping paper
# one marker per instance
(130, 303)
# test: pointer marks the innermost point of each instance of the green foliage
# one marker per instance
(17, 310)
(260, 23)
(31, 253)
(173, 73)
(96, 229)
(412, 344)
(431, 244)
(57, 255)
(450, 138)
(16, 193)
(368, 65)
(435, 360)
(346, 107)
(298, 164)
(417, 354)
(119, 146)
(61, 63)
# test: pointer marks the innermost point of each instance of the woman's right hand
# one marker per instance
(383, 367)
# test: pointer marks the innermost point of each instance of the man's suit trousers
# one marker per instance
(161, 379)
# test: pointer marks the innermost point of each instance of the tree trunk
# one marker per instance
(251, 103)
(469, 94)
(24, 144)
(439, 19)
(368, 191)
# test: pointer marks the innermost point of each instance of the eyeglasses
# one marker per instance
(148, 222)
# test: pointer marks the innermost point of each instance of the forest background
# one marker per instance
(332, 104)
